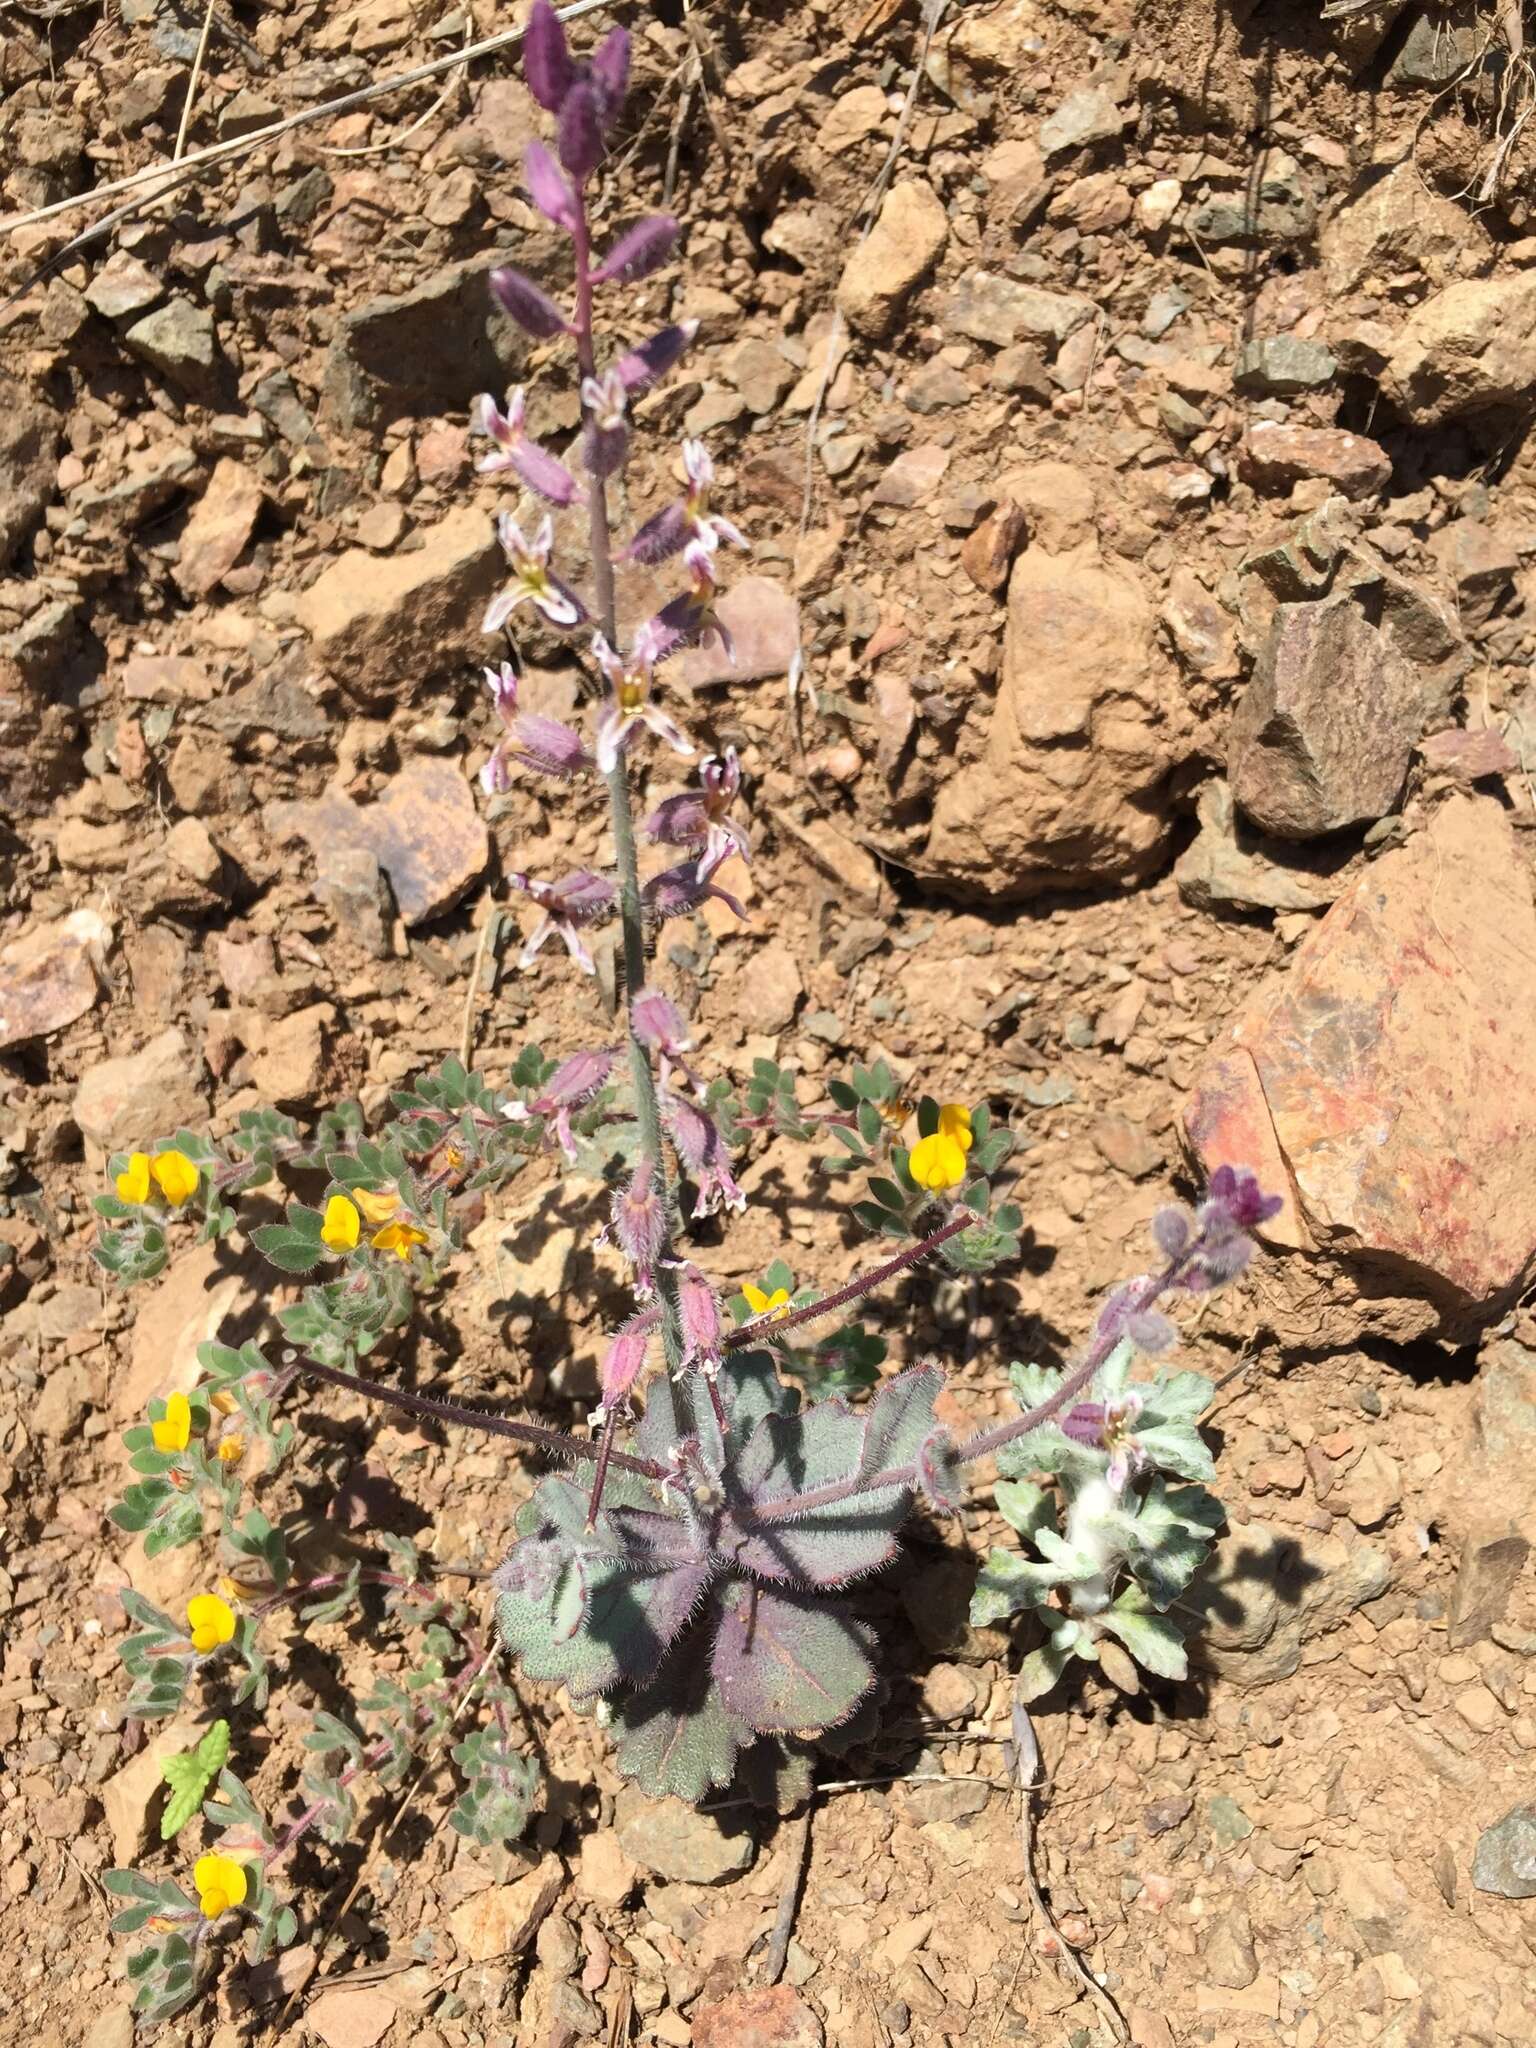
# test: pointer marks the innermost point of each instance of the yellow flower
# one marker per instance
(231, 1450)
(761, 1304)
(173, 1431)
(955, 1122)
(938, 1162)
(221, 1883)
(211, 1621)
(175, 1176)
(398, 1238)
(132, 1183)
(377, 1207)
(342, 1224)
(223, 1403)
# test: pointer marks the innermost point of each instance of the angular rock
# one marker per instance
(1268, 1589)
(208, 1294)
(122, 287)
(1284, 363)
(127, 1102)
(389, 360)
(1493, 1556)
(885, 269)
(1001, 310)
(385, 623)
(1084, 117)
(346, 2017)
(1504, 1861)
(1227, 863)
(1469, 348)
(1397, 224)
(1067, 792)
(130, 1797)
(179, 341)
(1424, 968)
(1436, 51)
(48, 976)
(1481, 565)
(1324, 733)
(770, 2017)
(29, 440)
(761, 374)
(913, 477)
(289, 1057)
(220, 528)
(763, 620)
(605, 1875)
(987, 554)
(424, 832)
(1201, 629)
(1275, 456)
(677, 1843)
(505, 1918)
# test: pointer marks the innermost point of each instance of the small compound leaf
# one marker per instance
(787, 1663)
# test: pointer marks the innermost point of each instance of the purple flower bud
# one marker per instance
(1172, 1228)
(1151, 1332)
(940, 1476)
(658, 1023)
(639, 250)
(548, 747)
(547, 62)
(603, 449)
(610, 72)
(579, 134)
(699, 1311)
(533, 310)
(639, 1223)
(624, 1359)
(1237, 1191)
(548, 188)
(653, 358)
(664, 534)
(542, 472)
(1084, 1424)
(578, 1078)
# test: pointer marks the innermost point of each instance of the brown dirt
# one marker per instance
(1286, 1864)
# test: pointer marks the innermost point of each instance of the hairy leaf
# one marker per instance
(1154, 1640)
(189, 1774)
(785, 1662)
(678, 1737)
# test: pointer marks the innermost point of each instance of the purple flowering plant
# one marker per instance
(691, 1567)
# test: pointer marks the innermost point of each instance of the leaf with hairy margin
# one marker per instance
(1155, 1641)
(786, 1663)
(677, 1737)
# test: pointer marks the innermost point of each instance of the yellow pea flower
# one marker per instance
(223, 1403)
(761, 1304)
(938, 1162)
(173, 1432)
(221, 1883)
(377, 1205)
(210, 1620)
(132, 1183)
(341, 1225)
(175, 1176)
(955, 1122)
(398, 1238)
(231, 1450)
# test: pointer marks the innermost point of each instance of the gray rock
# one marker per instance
(179, 341)
(424, 832)
(244, 112)
(1086, 116)
(678, 1844)
(1436, 51)
(1324, 734)
(418, 355)
(122, 287)
(276, 398)
(1163, 308)
(1284, 363)
(148, 486)
(987, 307)
(1504, 1861)
(29, 440)
(1493, 1555)
(1228, 1957)
(1481, 564)
(1228, 865)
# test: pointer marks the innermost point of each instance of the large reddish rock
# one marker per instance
(424, 832)
(1068, 792)
(772, 2016)
(1276, 454)
(1385, 1086)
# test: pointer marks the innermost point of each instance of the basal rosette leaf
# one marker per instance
(1155, 1640)
(677, 1737)
(786, 1663)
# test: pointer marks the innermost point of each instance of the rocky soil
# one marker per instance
(1145, 478)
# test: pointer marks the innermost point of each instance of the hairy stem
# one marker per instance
(986, 1441)
(864, 1283)
(631, 911)
(554, 1441)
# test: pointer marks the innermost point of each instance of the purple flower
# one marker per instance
(610, 72)
(687, 522)
(549, 189)
(542, 744)
(547, 62)
(574, 1082)
(691, 617)
(533, 581)
(631, 704)
(653, 358)
(624, 1360)
(677, 891)
(702, 1151)
(639, 1224)
(577, 900)
(639, 250)
(606, 441)
(1236, 1191)
(658, 1023)
(699, 1312)
(1109, 1426)
(533, 310)
(699, 816)
(539, 470)
(1235, 1204)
